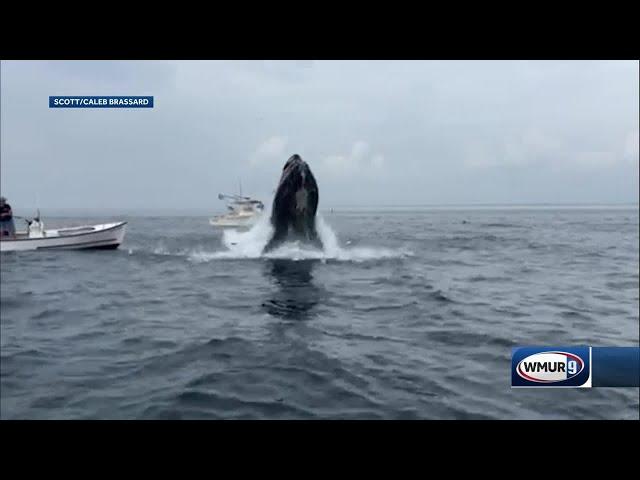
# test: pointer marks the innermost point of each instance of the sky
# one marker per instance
(375, 133)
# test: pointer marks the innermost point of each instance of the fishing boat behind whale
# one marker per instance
(243, 212)
(36, 237)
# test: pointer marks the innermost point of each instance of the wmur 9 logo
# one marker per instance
(551, 367)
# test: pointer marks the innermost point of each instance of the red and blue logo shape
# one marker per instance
(551, 367)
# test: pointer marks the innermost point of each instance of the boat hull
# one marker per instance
(233, 223)
(98, 237)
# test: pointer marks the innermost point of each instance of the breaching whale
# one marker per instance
(295, 204)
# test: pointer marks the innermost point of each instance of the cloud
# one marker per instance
(540, 148)
(593, 160)
(428, 131)
(631, 148)
(359, 160)
(272, 149)
(527, 148)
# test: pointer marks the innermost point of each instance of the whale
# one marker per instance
(295, 204)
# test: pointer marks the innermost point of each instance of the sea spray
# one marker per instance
(250, 244)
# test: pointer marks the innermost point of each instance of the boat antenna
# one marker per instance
(240, 183)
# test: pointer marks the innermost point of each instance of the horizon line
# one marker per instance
(496, 204)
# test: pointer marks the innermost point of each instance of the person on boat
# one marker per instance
(7, 227)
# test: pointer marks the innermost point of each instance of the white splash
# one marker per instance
(249, 245)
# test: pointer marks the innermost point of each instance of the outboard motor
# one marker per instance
(36, 227)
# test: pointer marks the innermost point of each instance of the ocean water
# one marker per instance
(406, 314)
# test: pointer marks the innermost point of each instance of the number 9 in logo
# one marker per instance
(572, 367)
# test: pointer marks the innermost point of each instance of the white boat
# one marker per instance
(244, 212)
(102, 236)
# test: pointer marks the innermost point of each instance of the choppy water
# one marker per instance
(408, 314)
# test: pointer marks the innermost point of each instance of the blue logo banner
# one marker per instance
(551, 367)
(616, 366)
(577, 367)
(65, 101)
